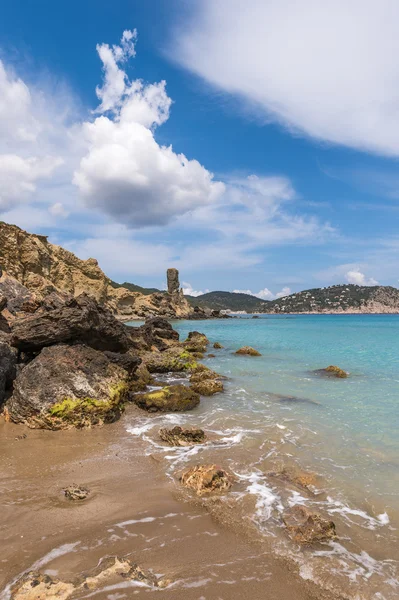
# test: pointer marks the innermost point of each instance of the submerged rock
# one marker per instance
(76, 492)
(306, 527)
(248, 350)
(295, 475)
(37, 586)
(217, 346)
(177, 436)
(168, 399)
(333, 371)
(206, 479)
(80, 320)
(68, 386)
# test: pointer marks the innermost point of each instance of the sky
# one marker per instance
(254, 146)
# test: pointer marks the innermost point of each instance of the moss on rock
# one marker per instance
(168, 399)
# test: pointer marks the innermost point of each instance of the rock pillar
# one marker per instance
(173, 281)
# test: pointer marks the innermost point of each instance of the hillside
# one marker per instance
(44, 267)
(228, 301)
(338, 299)
(132, 287)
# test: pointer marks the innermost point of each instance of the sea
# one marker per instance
(279, 416)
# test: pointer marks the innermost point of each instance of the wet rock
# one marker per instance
(177, 436)
(68, 386)
(173, 360)
(8, 362)
(79, 320)
(206, 479)
(168, 399)
(142, 378)
(211, 355)
(332, 371)
(196, 342)
(217, 346)
(303, 479)
(306, 527)
(206, 382)
(248, 351)
(76, 492)
(37, 586)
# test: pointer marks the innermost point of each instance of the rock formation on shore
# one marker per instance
(45, 268)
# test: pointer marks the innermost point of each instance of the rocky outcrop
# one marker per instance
(157, 333)
(43, 268)
(196, 342)
(177, 436)
(206, 479)
(171, 398)
(306, 527)
(69, 386)
(206, 382)
(173, 281)
(80, 320)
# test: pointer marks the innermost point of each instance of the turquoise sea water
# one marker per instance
(275, 409)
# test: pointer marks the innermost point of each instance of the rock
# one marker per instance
(8, 362)
(173, 281)
(297, 476)
(206, 479)
(208, 387)
(3, 302)
(333, 371)
(37, 586)
(142, 378)
(78, 320)
(173, 360)
(255, 317)
(210, 355)
(196, 342)
(76, 492)
(248, 351)
(16, 294)
(171, 398)
(177, 436)
(306, 527)
(217, 346)
(128, 362)
(157, 333)
(68, 386)
(204, 374)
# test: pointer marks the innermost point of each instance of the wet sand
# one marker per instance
(133, 510)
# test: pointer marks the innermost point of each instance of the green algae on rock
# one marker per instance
(69, 386)
(171, 398)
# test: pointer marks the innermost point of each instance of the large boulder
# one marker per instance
(8, 361)
(68, 386)
(79, 320)
(306, 527)
(206, 382)
(172, 360)
(248, 351)
(196, 342)
(168, 399)
(156, 333)
(206, 479)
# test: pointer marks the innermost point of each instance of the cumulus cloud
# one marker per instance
(265, 294)
(325, 69)
(355, 276)
(125, 172)
(189, 291)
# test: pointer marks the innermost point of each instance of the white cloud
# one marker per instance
(358, 278)
(265, 294)
(189, 291)
(58, 210)
(326, 69)
(18, 176)
(125, 172)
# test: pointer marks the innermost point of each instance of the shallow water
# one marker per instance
(275, 411)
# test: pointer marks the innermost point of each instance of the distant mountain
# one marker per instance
(228, 301)
(132, 287)
(337, 299)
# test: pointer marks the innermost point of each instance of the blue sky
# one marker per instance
(266, 161)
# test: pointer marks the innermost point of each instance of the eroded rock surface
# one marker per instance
(206, 479)
(8, 362)
(306, 527)
(196, 342)
(76, 492)
(177, 436)
(66, 386)
(206, 382)
(171, 398)
(78, 320)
